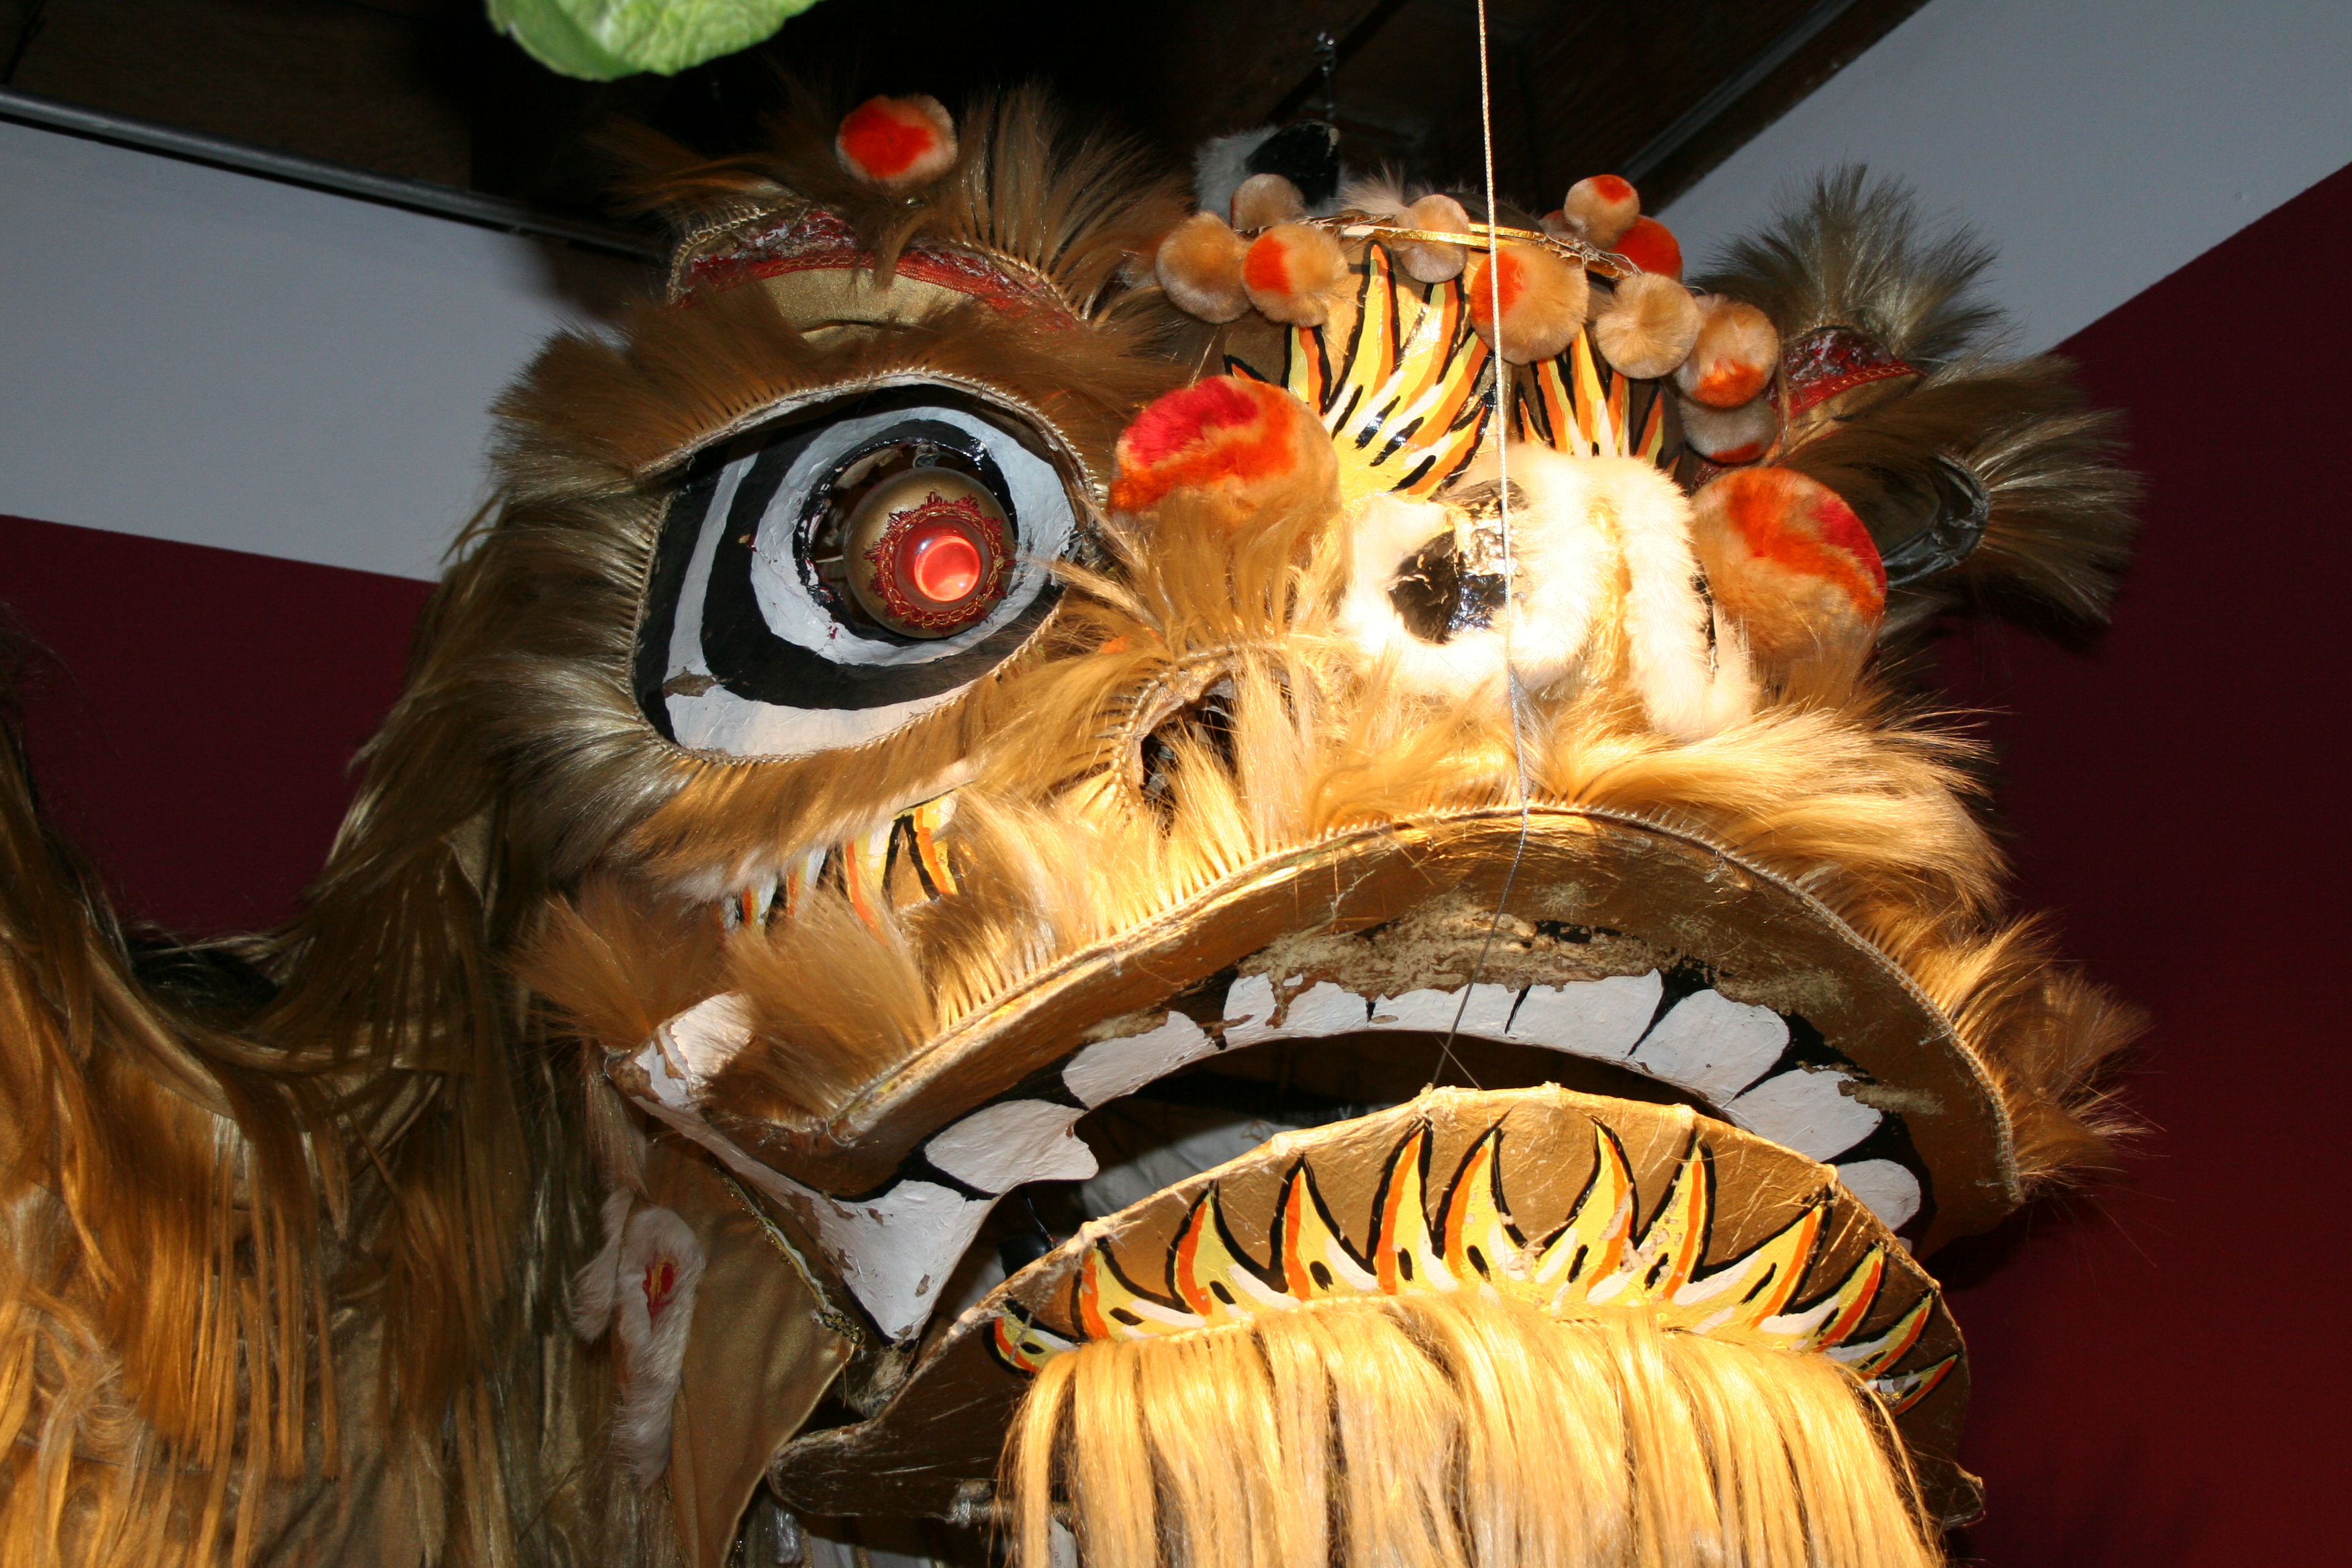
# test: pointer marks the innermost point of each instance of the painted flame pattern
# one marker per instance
(1595, 1261)
(861, 868)
(1411, 396)
(1409, 402)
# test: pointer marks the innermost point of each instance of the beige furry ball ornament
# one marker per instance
(1434, 261)
(1264, 200)
(1734, 357)
(1730, 436)
(1200, 268)
(1646, 327)
(1542, 298)
(1290, 272)
(1599, 210)
(896, 144)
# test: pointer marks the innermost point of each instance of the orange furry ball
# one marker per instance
(1730, 436)
(1200, 268)
(1542, 297)
(1289, 270)
(1736, 353)
(1601, 209)
(1264, 200)
(1788, 560)
(1652, 247)
(1226, 445)
(896, 144)
(1646, 326)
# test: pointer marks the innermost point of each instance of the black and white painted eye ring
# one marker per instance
(746, 647)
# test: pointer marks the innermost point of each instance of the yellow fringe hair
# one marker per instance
(1457, 1431)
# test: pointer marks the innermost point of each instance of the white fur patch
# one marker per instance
(594, 1287)
(1220, 166)
(661, 1263)
(1585, 523)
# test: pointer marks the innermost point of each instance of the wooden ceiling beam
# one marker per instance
(1228, 64)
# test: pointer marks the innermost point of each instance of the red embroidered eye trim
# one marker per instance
(934, 551)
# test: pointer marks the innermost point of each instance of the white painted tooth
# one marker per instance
(1712, 1046)
(1487, 1014)
(1887, 1189)
(763, 896)
(1249, 1006)
(731, 911)
(895, 1252)
(669, 1087)
(1000, 1146)
(1323, 1008)
(1599, 1019)
(1805, 1110)
(1108, 1068)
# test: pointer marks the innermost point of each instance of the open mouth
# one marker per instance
(1280, 1089)
(1630, 960)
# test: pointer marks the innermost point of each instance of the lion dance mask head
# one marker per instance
(1169, 888)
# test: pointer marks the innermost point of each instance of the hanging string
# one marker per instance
(1499, 381)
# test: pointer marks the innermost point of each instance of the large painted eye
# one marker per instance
(821, 582)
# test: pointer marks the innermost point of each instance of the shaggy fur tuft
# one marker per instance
(2059, 521)
(1855, 253)
(1457, 1431)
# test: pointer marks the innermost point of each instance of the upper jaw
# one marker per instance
(1622, 941)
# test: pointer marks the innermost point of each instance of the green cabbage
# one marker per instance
(603, 39)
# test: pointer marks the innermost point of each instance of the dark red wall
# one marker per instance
(193, 713)
(2162, 1377)
(2160, 1372)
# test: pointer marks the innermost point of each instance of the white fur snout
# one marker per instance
(1593, 541)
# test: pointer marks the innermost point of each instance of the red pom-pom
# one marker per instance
(896, 144)
(1240, 445)
(1734, 356)
(1730, 435)
(1652, 247)
(1290, 271)
(1789, 560)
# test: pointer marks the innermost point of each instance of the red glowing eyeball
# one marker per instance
(935, 553)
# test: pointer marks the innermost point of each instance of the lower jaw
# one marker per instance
(1578, 1204)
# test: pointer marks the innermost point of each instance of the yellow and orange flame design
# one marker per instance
(1595, 1262)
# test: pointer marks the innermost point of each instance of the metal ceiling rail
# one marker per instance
(317, 174)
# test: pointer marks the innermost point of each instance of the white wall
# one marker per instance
(200, 355)
(2099, 143)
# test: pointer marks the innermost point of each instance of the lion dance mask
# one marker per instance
(1077, 881)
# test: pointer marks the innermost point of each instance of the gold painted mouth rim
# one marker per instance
(1366, 875)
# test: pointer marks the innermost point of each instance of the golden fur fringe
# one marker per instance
(1456, 1431)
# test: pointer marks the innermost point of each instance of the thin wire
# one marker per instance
(1503, 515)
